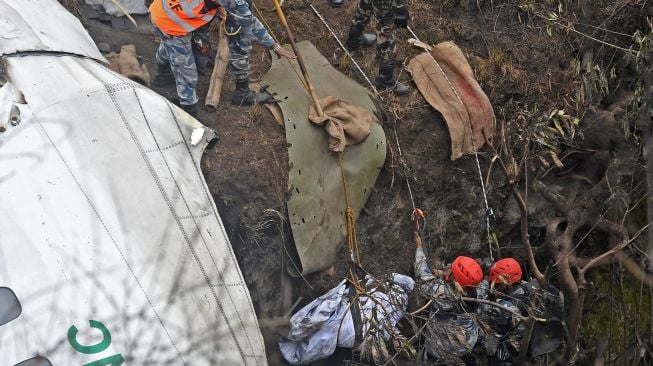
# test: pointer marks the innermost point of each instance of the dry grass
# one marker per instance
(498, 71)
(71, 5)
(269, 219)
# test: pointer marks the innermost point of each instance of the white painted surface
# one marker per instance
(42, 25)
(105, 215)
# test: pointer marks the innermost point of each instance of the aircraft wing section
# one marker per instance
(109, 237)
(42, 26)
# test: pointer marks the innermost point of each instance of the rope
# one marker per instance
(267, 25)
(345, 49)
(488, 210)
(410, 190)
(222, 13)
(418, 216)
(352, 238)
(376, 92)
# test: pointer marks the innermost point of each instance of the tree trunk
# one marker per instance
(588, 73)
(560, 242)
(645, 118)
(570, 288)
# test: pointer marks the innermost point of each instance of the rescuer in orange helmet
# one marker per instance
(448, 313)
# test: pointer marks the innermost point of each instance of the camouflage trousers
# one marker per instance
(243, 27)
(178, 52)
(240, 46)
(383, 11)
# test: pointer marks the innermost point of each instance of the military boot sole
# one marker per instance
(242, 100)
(252, 98)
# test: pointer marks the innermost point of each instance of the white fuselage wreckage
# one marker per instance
(112, 251)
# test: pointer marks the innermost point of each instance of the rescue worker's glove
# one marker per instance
(401, 17)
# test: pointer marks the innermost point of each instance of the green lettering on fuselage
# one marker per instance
(115, 360)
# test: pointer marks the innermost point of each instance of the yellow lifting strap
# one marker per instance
(352, 240)
(274, 36)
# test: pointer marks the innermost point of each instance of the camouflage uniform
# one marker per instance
(178, 51)
(503, 338)
(384, 12)
(247, 27)
(444, 297)
(451, 332)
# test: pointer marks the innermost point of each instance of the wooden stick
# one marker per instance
(504, 308)
(217, 76)
(311, 89)
(117, 4)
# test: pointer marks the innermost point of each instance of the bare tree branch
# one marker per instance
(555, 199)
(524, 216)
(612, 251)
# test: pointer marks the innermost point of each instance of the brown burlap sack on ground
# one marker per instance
(446, 93)
(346, 124)
(126, 63)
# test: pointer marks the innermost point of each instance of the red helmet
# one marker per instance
(506, 268)
(466, 271)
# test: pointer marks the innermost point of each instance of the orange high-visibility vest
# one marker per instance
(179, 17)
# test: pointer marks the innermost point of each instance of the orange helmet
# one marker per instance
(508, 269)
(466, 271)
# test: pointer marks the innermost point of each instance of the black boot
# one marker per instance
(190, 109)
(387, 79)
(336, 3)
(356, 40)
(164, 76)
(244, 96)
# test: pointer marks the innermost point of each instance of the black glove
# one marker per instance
(211, 4)
(401, 17)
(201, 49)
(200, 42)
